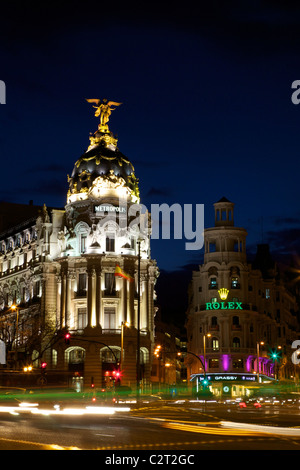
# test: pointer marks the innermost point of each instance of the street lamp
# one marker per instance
(257, 345)
(15, 308)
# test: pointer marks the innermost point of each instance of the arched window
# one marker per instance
(75, 355)
(82, 230)
(111, 354)
(215, 344)
(236, 342)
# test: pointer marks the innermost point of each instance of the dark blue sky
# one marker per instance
(206, 111)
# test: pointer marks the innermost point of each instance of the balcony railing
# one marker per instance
(230, 350)
(236, 327)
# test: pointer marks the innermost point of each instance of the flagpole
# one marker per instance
(138, 322)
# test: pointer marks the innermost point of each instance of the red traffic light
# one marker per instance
(67, 338)
(44, 365)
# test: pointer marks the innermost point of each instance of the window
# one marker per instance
(82, 282)
(238, 364)
(236, 343)
(215, 344)
(36, 288)
(76, 356)
(82, 318)
(109, 318)
(213, 283)
(214, 324)
(236, 321)
(83, 239)
(214, 363)
(267, 293)
(110, 283)
(235, 283)
(214, 300)
(110, 355)
(110, 243)
(212, 247)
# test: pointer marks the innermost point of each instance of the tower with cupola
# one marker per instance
(232, 310)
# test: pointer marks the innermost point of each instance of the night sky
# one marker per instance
(206, 113)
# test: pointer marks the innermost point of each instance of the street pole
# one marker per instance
(122, 345)
(258, 343)
(16, 309)
(204, 352)
(123, 325)
(138, 322)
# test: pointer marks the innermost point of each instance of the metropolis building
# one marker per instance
(239, 314)
(84, 270)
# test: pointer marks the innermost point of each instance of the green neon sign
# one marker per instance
(224, 306)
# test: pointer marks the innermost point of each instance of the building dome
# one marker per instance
(102, 159)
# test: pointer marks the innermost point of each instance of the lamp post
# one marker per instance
(258, 344)
(14, 308)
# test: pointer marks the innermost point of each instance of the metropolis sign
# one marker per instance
(224, 306)
(109, 208)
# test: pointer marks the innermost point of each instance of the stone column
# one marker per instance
(58, 304)
(131, 303)
(144, 304)
(91, 298)
(98, 297)
(62, 300)
(68, 299)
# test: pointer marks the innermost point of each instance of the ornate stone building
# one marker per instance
(234, 307)
(58, 273)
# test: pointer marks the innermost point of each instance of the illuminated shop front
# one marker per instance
(228, 385)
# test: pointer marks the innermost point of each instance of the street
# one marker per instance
(185, 425)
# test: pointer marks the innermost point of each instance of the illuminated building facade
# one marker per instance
(85, 269)
(234, 307)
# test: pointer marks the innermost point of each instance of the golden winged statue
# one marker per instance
(103, 109)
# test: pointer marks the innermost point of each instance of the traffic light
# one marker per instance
(67, 338)
(205, 383)
(275, 354)
(43, 368)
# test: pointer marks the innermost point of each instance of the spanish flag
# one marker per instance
(120, 273)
